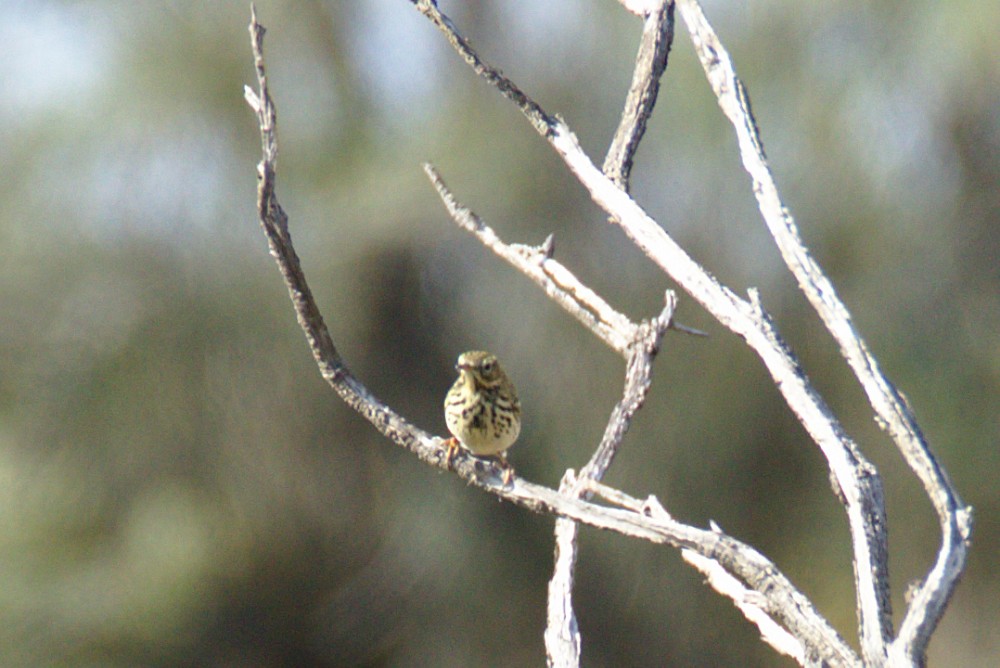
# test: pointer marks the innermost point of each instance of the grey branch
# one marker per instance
(749, 603)
(785, 617)
(758, 574)
(793, 628)
(559, 283)
(537, 263)
(640, 344)
(650, 63)
(539, 120)
(891, 410)
(562, 638)
(741, 560)
(638, 377)
(855, 476)
(562, 633)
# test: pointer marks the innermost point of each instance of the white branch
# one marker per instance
(750, 604)
(562, 634)
(891, 410)
(783, 600)
(786, 619)
(537, 263)
(650, 63)
(855, 476)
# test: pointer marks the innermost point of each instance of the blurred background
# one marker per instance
(179, 487)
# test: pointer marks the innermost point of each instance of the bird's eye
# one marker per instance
(488, 366)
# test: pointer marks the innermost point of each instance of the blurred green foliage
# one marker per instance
(178, 486)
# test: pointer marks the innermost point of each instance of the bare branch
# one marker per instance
(638, 377)
(893, 413)
(562, 633)
(562, 637)
(854, 474)
(807, 637)
(558, 282)
(785, 617)
(856, 477)
(537, 263)
(782, 599)
(274, 222)
(531, 110)
(749, 604)
(650, 63)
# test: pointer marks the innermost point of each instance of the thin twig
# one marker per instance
(562, 637)
(650, 63)
(756, 607)
(531, 109)
(537, 263)
(558, 282)
(638, 377)
(749, 603)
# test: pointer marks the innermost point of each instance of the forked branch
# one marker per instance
(780, 597)
(891, 410)
(786, 618)
(856, 477)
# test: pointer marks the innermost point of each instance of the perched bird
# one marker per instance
(482, 409)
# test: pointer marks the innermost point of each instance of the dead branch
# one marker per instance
(786, 619)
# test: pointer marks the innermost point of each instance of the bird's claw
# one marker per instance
(508, 470)
(451, 446)
(508, 474)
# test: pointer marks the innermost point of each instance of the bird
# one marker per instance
(482, 410)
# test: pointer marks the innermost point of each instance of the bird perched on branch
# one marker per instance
(482, 410)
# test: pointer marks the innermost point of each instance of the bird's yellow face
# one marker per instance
(480, 369)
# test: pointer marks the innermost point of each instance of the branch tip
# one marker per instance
(687, 330)
(548, 248)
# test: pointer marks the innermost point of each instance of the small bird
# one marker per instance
(482, 410)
